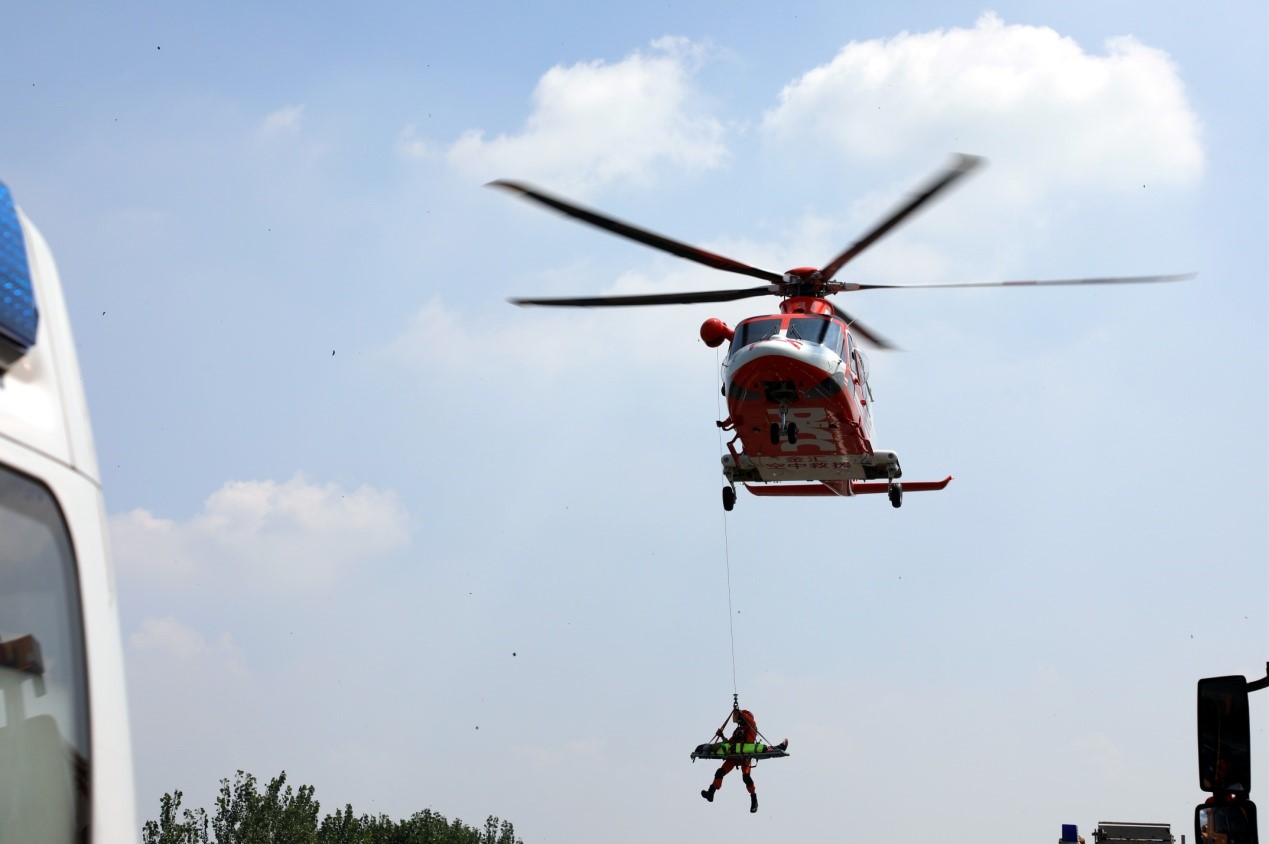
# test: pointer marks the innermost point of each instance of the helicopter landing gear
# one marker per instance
(895, 491)
(729, 498)
(779, 432)
(784, 429)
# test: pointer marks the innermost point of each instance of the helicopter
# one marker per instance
(796, 382)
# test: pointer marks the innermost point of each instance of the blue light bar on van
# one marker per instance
(18, 314)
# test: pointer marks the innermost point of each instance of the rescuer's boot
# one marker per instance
(784, 745)
(753, 803)
(708, 793)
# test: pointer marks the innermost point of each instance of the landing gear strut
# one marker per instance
(895, 491)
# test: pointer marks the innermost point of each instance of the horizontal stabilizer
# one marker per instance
(908, 486)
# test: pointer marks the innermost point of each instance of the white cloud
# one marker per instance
(553, 342)
(294, 534)
(410, 146)
(149, 545)
(1029, 99)
(285, 121)
(595, 124)
(168, 636)
(439, 339)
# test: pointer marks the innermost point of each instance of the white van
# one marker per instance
(65, 753)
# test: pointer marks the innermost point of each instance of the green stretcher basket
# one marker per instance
(737, 751)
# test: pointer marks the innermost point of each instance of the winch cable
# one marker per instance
(731, 627)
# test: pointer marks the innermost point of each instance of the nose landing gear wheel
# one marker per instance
(775, 433)
(792, 431)
(896, 495)
(729, 498)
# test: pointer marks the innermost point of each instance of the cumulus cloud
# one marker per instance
(554, 342)
(284, 121)
(296, 533)
(438, 338)
(169, 637)
(410, 146)
(1030, 99)
(595, 124)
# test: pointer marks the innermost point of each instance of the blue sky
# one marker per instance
(475, 558)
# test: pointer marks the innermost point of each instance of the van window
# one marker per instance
(43, 692)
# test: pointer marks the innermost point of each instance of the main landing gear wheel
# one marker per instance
(896, 495)
(729, 498)
(787, 431)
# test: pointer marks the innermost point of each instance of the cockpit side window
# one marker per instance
(753, 331)
(833, 337)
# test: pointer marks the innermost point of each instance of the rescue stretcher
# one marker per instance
(737, 751)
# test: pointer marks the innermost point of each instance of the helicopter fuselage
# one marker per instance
(801, 368)
(800, 404)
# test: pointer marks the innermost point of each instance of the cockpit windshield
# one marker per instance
(816, 329)
(755, 330)
(810, 328)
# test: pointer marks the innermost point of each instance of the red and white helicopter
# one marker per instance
(796, 382)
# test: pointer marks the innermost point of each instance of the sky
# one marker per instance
(421, 549)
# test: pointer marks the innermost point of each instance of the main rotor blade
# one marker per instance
(1057, 282)
(644, 236)
(649, 299)
(865, 332)
(961, 165)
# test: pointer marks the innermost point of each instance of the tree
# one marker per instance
(279, 814)
(168, 830)
(245, 815)
(342, 827)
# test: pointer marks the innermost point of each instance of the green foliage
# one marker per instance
(278, 814)
(168, 830)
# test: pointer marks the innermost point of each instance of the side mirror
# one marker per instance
(1224, 735)
(1226, 823)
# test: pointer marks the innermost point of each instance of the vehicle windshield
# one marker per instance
(755, 330)
(43, 693)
